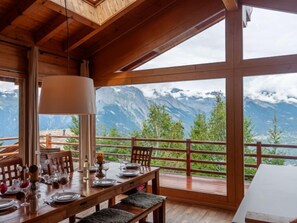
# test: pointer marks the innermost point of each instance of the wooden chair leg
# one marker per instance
(159, 215)
(72, 219)
(111, 202)
(142, 220)
(162, 213)
(97, 207)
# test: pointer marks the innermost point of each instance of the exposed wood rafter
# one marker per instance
(87, 33)
(175, 41)
(76, 17)
(289, 6)
(166, 25)
(50, 29)
(230, 5)
(17, 10)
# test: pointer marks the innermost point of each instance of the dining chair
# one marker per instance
(9, 170)
(60, 161)
(141, 155)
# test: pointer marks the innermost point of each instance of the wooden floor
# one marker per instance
(177, 212)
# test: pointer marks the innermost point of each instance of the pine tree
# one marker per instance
(274, 133)
(217, 121)
(274, 137)
(74, 128)
(159, 125)
(199, 131)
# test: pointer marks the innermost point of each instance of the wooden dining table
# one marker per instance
(90, 196)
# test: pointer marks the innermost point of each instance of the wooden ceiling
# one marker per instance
(128, 32)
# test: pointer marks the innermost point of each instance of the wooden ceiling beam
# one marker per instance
(166, 25)
(289, 6)
(78, 38)
(76, 17)
(175, 41)
(230, 5)
(12, 14)
(87, 33)
(50, 29)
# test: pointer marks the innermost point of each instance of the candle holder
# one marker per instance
(33, 197)
(100, 174)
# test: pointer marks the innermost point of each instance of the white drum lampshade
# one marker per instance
(67, 95)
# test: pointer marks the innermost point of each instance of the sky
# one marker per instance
(269, 33)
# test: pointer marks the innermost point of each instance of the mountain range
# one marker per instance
(126, 107)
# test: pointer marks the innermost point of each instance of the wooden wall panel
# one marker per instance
(13, 58)
(50, 64)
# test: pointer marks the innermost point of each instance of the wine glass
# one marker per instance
(19, 170)
(26, 191)
(63, 180)
(26, 172)
(123, 162)
(105, 167)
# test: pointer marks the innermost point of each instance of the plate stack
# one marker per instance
(6, 204)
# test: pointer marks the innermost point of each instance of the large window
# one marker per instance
(194, 110)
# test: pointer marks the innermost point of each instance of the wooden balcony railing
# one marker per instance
(189, 157)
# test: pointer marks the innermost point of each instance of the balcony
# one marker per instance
(186, 165)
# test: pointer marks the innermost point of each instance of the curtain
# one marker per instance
(32, 128)
(87, 127)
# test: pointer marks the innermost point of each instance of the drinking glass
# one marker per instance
(63, 180)
(105, 167)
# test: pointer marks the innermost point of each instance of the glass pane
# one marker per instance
(9, 117)
(59, 132)
(205, 47)
(270, 112)
(156, 115)
(269, 33)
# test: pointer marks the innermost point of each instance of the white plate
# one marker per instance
(129, 173)
(132, 166)
(12, 191)
(6, 203)
(65, 197)
(104, 183)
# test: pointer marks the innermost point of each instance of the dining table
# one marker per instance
(90, 196)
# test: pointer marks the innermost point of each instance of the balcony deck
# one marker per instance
(194, 183)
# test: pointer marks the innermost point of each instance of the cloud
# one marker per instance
(190, 88)
(269, 33)
(196, 50)
(272, 88)
(7, 86)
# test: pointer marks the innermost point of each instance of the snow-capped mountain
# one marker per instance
(126, 108)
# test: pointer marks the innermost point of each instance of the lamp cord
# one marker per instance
(67, 41)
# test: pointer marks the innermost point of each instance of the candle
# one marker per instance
(100, 157)
(33, 172)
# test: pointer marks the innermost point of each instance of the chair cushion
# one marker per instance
(143, 200)
(108, 215)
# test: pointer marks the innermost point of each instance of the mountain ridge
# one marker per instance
(126, 107)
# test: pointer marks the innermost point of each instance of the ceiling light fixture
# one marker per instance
(67, 94)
